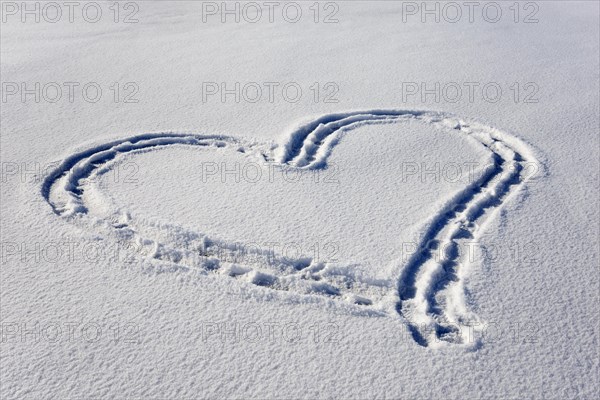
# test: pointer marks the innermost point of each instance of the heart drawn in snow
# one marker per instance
(427, 292)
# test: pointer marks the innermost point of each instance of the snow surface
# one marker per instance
(182, 282)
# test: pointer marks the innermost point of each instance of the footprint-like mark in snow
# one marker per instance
(428, 293)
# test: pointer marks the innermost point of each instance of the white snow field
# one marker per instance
(289, 200)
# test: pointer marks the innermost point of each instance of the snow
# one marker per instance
(193, 246)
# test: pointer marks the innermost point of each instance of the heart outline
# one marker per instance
(307, 147)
